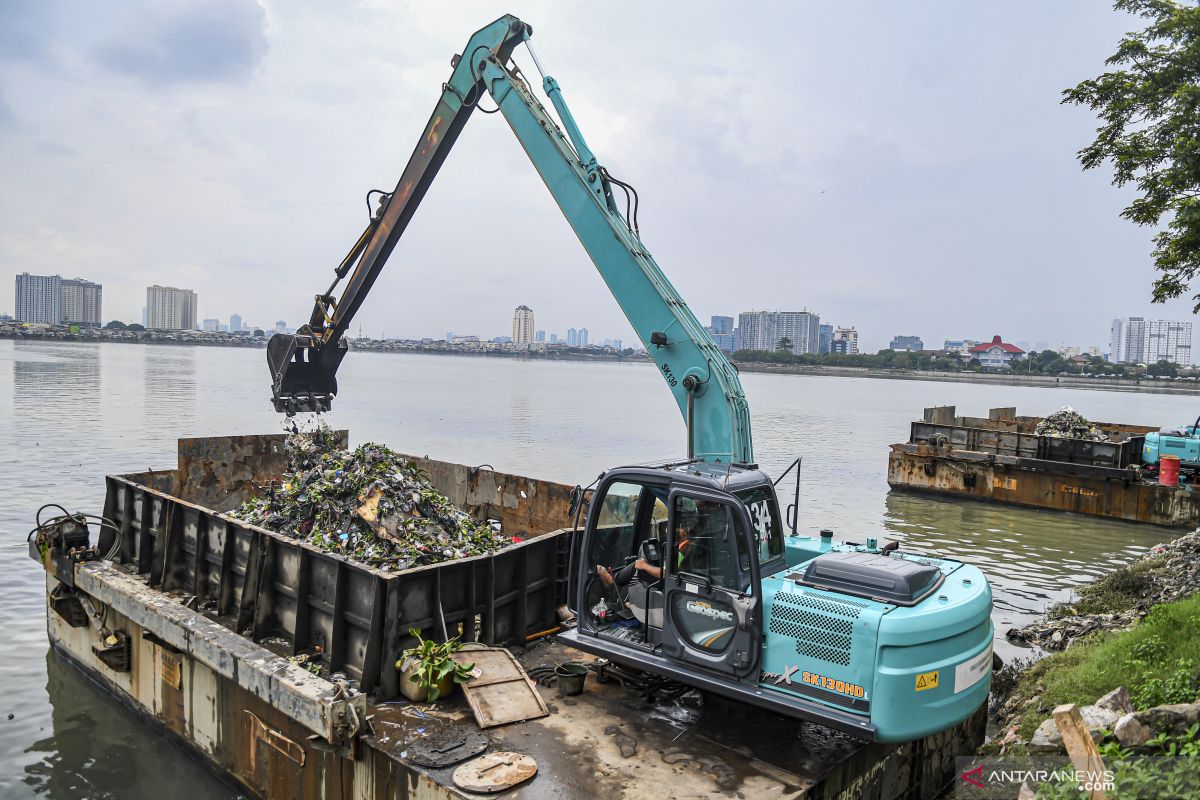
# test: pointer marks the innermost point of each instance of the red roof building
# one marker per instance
(996, 354)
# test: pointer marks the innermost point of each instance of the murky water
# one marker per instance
(71, 413)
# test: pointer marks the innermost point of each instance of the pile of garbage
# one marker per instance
(371, 505)
(1069, 424)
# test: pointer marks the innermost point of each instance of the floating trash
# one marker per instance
(371, 505)
(1068, 423)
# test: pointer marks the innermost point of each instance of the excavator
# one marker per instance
(683, 569)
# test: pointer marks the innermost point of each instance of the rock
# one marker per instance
(1097, 720)
(1130, 732)
(1117, 700)
(1172, 719)
(1046, 739)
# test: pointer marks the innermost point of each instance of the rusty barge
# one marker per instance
(1001, 460)
(194, 618)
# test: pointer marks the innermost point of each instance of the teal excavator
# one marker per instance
(683, 568)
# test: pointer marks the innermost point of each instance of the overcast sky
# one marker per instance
(900, 167)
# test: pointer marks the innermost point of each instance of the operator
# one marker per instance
(642, 569)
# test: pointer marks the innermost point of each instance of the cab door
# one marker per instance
(711, 583)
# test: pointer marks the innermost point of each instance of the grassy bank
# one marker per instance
(1157, 661)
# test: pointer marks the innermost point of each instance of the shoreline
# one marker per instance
(1142, 385)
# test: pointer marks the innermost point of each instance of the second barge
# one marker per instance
(1000, 459)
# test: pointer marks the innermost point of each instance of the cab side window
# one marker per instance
(616, 527)
(705, 542)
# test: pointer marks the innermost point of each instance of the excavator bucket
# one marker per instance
(303, 374)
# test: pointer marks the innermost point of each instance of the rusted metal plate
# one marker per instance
(495, 772)
(1079, 488)
(501, 692)
(447, 748)
(312, 702)
(222, 472)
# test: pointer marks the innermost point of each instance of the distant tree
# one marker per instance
(975, 364)
(133, 326)
(1163, 369)
(116, 325)
(1148, 108)
(784, 344)
(259, 332)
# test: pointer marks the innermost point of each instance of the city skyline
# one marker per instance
(876, 194)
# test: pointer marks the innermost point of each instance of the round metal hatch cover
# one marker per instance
(495, 772)
(444, 749)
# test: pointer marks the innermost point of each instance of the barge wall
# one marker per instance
(271, 587)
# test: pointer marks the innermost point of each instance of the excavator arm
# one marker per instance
(704, 383)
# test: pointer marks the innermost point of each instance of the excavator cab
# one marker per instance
(872, 641)
(700, 604)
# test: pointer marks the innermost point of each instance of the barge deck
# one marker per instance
(192, 627)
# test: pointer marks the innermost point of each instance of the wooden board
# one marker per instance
(500, 692)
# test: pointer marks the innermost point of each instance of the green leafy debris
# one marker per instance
(370, 504)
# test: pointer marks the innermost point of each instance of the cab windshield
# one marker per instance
(764, 521)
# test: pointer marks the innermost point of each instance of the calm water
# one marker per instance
(70, 413)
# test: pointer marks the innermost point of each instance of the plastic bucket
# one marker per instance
(1168, 471)
(570, 678)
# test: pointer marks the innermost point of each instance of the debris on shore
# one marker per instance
(1067, 423)
(370, 504)
(1121, 598)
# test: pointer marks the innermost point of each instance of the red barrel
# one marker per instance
(1168, 471)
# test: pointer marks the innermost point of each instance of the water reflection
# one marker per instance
(1032, 558)
(97, 748)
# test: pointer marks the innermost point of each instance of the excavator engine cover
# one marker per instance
(873, 575)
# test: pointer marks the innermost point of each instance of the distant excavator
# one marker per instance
(869, 640)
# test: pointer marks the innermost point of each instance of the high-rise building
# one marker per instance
(522, 325)
(849, 336)
(170, 309)
(1133, 339)
(906, 343)
(553, 338)
(235, 323)
(824, 338)
(539, 336)
(81, 302)
(213, 325)
(1167, 340)
(1137, 340)
(281, 326)
(583, 337)
(39, 298)
(765, 330)
(572, 337)
(719, 325)
(1116, 342)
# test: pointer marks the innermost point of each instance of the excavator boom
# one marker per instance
(703, 382)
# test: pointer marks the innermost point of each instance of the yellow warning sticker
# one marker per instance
(927, 680)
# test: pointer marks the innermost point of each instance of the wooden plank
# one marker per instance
(1080, 747)
(501, 692)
